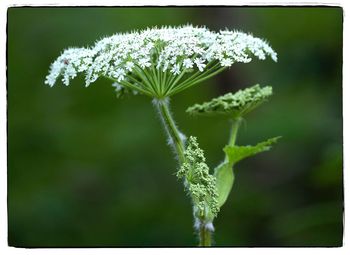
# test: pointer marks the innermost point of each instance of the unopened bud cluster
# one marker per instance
(199, 182)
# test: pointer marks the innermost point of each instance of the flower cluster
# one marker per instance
(160, 61)
(200, 184)
(238, 104)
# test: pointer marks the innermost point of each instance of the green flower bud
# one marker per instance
(234, 105)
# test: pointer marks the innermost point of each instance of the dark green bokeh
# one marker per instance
(86, 169)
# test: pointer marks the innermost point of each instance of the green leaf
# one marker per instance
(224, 172)
(224, 181)
(237, 153)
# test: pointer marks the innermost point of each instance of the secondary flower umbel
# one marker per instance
(235, 105)
(159, 62)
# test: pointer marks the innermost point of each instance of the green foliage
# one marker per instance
(224, 181)
(237, 153)
(234, 105)
(199, 183)
(224, 173)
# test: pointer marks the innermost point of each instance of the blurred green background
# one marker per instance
(86, 169)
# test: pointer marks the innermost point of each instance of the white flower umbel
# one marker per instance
(159, 62)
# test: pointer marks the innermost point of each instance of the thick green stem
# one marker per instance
(175, 137)
(236, 123)
(234, 130)
(177, 140)
(204, 234)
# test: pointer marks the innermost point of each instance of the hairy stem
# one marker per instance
(204, 235)
(176, 138)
